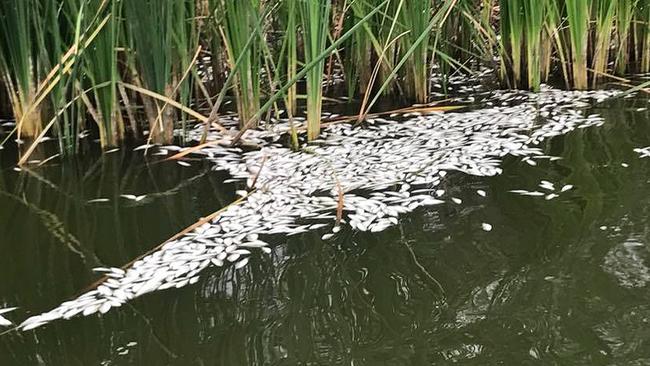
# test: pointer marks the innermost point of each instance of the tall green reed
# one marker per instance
(511, 40)
(162, 40)
(624, 16)
(101, 66)
(416, 16)
(604, 14)
(533, 18)
(290, 58)
(643, 25)
(19, 62)
(314, 17)
(236, 21)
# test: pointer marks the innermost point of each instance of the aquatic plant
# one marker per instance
(314, 16)
(604, 12)
(162, 39)
(578, 24)
(18, 61)
(146, 67)
(237, 21)
(417, 17)
(101, 66)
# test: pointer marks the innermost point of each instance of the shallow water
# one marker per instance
(555, 282)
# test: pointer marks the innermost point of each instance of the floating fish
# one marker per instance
(527, 193)
(376, 173)
(566, 188)
(4, 322)
(547, 185)
(530, 162)
(143, 147)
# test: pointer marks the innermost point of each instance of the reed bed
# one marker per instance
(143, 68)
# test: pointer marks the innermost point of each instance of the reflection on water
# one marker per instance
(561, 281)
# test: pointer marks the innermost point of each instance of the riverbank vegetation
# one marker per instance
(139, 69)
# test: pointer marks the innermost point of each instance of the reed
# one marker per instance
(643, 25)
(314, 16)
(237, 21)
(578, 24)
(625, 14)
(161, 40)
(604, 14)
(373, 45)
(65, 63)
(101, 66)
(416, 16)
(290, 55)
(511, 40)
(533, 19)
(19, 63)
(359, 51)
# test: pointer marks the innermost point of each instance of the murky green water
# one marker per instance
(555, 282)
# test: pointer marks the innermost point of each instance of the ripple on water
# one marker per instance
(626, 262)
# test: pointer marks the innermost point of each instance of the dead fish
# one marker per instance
(566, 188)
(547, 185)
(4, 322)
(530, 162)
(241, 263)
(526, 193)
(143, 147)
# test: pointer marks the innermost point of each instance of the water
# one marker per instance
(555, 282)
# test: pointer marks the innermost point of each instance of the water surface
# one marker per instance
(563, 281)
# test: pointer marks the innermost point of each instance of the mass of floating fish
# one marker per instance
(376, 172)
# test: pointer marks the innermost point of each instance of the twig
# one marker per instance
(258, 172)
(421, 267)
